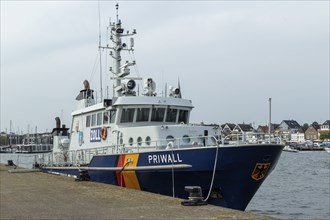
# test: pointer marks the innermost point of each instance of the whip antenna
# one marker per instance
(100, 50)
(117, 6)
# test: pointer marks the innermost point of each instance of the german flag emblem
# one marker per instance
(260, 171)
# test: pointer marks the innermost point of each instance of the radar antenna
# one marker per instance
(120, 71)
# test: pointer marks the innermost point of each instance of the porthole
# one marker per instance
(139, 141)
(186, 139)
(148, 140)
(169, 138)
(130, 141)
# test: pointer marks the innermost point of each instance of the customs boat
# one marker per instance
(147, 142)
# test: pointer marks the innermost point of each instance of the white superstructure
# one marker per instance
(130, 122)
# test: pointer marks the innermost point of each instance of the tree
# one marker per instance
(315, 124)
(305, 127)
(3, 140)
(324, 135)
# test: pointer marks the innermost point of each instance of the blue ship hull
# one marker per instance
(239, 171)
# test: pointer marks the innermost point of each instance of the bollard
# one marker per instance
(195, 196)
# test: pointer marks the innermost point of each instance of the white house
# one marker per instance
(298, 137)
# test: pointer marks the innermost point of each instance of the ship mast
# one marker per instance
(120, 71)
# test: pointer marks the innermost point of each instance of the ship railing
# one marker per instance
(167, 144)
(84, 156)
(73, 157)
(250, 138)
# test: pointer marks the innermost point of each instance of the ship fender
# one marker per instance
(170, 145)
(65, 156)
(104, 133)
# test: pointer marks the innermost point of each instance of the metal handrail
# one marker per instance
(245, 138)
(84, 156)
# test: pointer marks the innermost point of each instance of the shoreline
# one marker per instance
(39, 195)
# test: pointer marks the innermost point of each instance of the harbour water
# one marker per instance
(21, 160)
(298, 188)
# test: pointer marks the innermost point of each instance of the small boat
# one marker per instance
(34, 148)
(326, 145)
(6, 149)
(146, 142)
(327, 149)
(287, 148)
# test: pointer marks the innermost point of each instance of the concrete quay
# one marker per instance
(36, 195)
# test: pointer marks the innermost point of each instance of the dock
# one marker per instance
(37, 195)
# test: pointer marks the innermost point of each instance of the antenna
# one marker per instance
(165, 89)
(270, 118)
(117, 6)
(179, 95)
(62, 115)
(119, 71)
(100, 51)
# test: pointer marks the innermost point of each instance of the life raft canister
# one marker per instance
(104, 133)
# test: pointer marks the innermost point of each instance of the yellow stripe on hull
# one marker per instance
(130, 177)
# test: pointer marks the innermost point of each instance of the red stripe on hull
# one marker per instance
(119, 174)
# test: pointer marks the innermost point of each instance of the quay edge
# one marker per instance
(42, 196)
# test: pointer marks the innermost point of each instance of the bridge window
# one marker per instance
(183, 116)
(105, 117)
(127, 115)
(171, 115)
(93, 123)
(157, 114)
(99, 118)
(142, 114)
(88, 121)
(112, 116)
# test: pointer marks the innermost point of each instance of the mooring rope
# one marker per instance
(214, 169)
(173, 187)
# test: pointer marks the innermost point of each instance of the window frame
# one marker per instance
(127, 115)
(140, 115)
(158, 117)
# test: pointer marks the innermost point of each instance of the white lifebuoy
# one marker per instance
(169, 145)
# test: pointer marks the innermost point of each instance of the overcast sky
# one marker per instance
(230, 57)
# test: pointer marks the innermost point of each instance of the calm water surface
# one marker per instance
(298, 188)
(21, 160)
